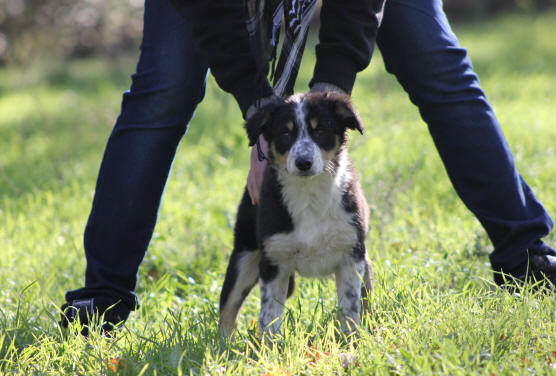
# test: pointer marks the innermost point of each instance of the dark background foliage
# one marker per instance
(30, 29)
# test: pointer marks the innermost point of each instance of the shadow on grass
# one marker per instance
(68, 113)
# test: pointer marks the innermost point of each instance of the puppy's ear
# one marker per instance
(344, 111)
(259, 121)
(256, 125)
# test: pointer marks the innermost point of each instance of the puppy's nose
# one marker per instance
(303, 164)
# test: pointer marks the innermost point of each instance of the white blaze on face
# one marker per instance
(304, 148)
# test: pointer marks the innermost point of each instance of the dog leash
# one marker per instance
(260, 155)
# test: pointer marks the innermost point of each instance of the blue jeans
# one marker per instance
(418, 47)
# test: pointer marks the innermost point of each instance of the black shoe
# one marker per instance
(540, 270)
(90, 311)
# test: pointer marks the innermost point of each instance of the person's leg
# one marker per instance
(419, 47)
(166, 88)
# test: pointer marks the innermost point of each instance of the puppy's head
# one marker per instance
(305, 132)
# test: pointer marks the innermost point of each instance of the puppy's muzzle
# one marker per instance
(304, 159)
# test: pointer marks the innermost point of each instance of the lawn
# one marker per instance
(435, 310)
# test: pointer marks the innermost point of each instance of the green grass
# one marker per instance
(435, 310)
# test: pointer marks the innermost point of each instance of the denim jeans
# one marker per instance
(418, 47)
(168, 84)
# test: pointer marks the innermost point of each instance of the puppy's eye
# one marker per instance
(317, 131)
(285, 135)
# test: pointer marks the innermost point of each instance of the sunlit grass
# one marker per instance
(435, 309)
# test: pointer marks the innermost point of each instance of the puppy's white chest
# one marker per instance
(323, 235)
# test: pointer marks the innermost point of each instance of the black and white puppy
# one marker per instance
(312, 217)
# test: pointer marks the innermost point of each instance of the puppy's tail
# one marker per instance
(291, 286)
(367, 287)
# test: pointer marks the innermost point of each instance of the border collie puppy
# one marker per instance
(312, 217)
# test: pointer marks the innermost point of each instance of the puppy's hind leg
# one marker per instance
(242, 274)
(243, 269)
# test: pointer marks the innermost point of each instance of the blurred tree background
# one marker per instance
(30, 29)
